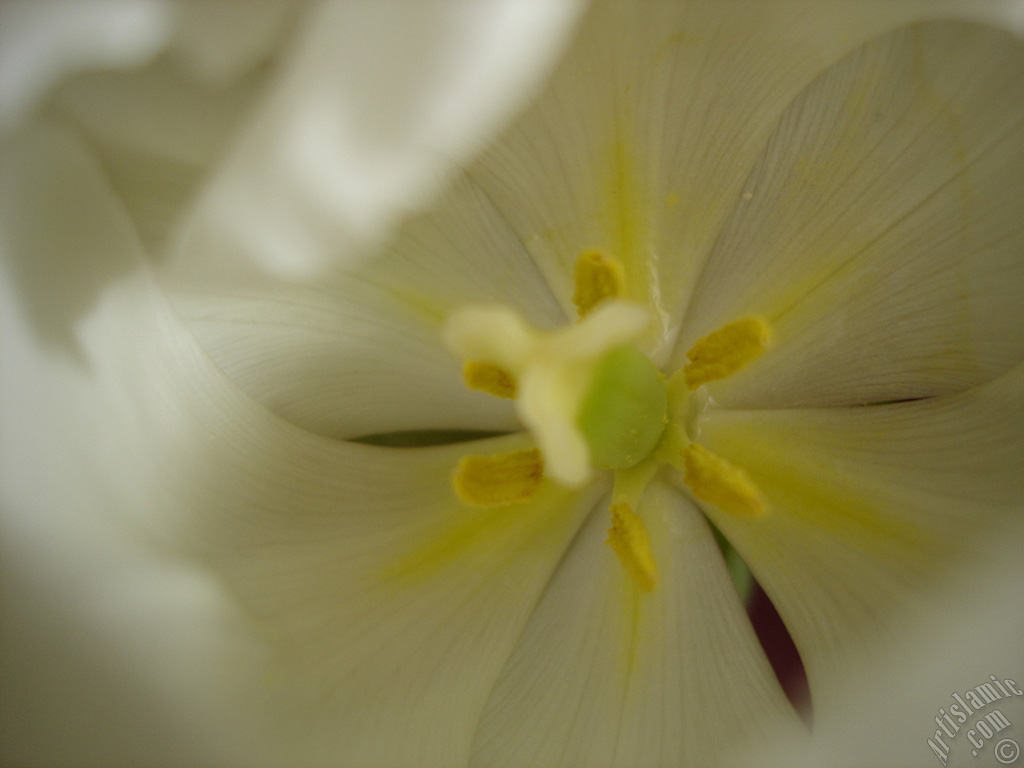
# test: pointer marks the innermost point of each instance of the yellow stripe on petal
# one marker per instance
(597, 278)
(716, 481)
(489, 378)
(628, 537)
(725, 351)
(486, 481)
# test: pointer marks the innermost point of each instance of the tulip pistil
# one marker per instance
(624, 410)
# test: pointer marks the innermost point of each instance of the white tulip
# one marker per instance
(232, 281)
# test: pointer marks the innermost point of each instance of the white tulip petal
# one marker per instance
(97, 669)
(379, 608)
(869, 507)
(642, 144)
(115, 651)
(158, 133)
(158, 127)
(607, 675)
(359, 352)
(44, 41)
(383, 606)
(334, 603)
(345, 363)
(221, 40)
(368, 118)
(882, 237)
(475, 246)
(63, 232)
(391, 607)
(461, 252)
(971, 633)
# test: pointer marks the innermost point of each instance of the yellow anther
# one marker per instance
(716, 481)
(486, 481)
(492, 379)
(725, 351)
(629, 539)
(597, 278)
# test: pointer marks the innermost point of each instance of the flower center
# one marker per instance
(592, 400)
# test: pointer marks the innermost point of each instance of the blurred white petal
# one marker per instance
(63, 231)
(221, 40)
(376, 105)
(43, 41)
(108, 638)
(158, 121)
(115, 650)
(159, 135)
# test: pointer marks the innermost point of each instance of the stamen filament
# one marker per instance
(629, 484)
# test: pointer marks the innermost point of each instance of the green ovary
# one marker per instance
(624, 410)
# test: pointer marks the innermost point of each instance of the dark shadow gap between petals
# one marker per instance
(771, 631)
(422, 438)
(781, 651)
